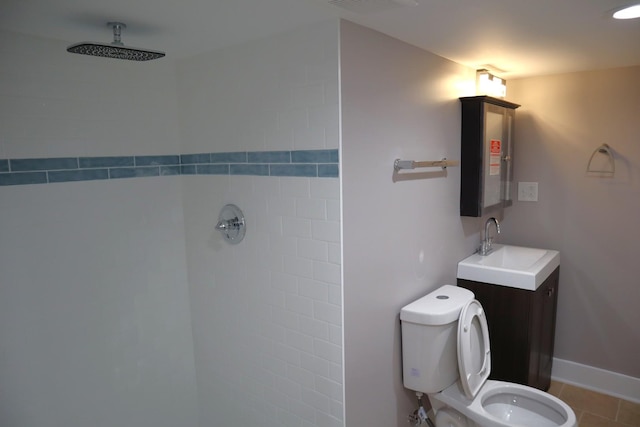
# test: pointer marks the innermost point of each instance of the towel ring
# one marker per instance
(606, 150)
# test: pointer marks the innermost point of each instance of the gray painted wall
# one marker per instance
(401, 239)
(593, 222)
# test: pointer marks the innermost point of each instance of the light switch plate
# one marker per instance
(528, 191)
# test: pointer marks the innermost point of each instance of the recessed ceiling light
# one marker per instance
(628, 12)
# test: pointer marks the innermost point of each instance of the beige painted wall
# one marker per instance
(401, 239)
(594, 222)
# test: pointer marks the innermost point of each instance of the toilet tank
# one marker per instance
(430, 339)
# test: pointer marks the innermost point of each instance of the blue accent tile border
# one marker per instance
(57, 163)
(269, 157)
(105, 162)
(78, 175)
(298, 163)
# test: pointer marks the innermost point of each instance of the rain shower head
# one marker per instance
(116, 49)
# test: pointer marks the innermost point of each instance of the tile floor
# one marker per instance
(596, 409)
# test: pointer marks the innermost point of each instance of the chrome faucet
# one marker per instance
(485, 246)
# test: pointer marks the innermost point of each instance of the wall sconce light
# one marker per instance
(488, 84)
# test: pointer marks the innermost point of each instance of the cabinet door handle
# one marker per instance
(550, 291)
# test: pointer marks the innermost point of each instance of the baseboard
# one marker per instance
(596, 379)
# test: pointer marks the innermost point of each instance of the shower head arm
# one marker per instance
(117, 28)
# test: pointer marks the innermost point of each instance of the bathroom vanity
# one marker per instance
(518, 289)
(521, 329)
(486, 154)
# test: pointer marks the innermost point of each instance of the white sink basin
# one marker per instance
(512, 266)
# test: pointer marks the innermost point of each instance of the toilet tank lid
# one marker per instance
(439, 307)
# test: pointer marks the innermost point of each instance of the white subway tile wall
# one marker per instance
(94, 296)
(270, 330)
(95, 307)
(266, 313)
(56, 104)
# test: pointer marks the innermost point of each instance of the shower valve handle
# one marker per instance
(229, 224)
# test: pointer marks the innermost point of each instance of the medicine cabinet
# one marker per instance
(487, 154)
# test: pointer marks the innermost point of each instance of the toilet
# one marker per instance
(446, 355)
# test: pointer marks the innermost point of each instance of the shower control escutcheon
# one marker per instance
(231, 224)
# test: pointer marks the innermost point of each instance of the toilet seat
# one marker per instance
(474, 351)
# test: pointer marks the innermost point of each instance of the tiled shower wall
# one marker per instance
(267, 312)
(119, 291)
(267, 317)
(94, 296)
(55, 104)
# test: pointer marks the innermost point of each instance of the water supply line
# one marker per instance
(420, 415)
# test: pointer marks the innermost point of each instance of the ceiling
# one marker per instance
(516, 38)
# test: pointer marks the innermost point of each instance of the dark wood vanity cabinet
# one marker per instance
(522, 326)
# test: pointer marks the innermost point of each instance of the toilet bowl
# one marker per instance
(449, 324)
(502, 404)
